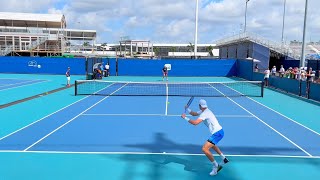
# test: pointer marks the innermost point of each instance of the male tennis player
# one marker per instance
(215, 129)
(165, 72)
(68, 76)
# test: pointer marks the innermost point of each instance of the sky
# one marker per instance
(173, 21)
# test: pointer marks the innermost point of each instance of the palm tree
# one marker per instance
(209, 49)
(156, 51)
(190, 47)
(173, 49)
(86, 44)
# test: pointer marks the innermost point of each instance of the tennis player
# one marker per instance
(68, 76)
(209, 119)
(165, 72)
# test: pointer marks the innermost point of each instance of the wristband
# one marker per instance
(187, 119)
(189, 110)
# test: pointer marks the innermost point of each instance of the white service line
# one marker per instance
(46, 116)
(264, 123)
(24, 85)
(277, 112)
(150, 153)
(167, 97)
(72, 119)
(227, 116)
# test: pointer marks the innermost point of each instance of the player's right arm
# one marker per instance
(193, 113)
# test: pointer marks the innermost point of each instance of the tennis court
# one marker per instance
(123, 132)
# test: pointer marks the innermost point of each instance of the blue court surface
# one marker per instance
(135, 137)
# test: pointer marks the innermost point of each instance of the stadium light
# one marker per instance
(283, 20)
(196, 30)
(245, 17)
(302, 60)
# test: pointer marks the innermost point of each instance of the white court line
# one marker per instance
(72, 119)
(21, 82)
(227, 116)
(167, 97)
(277, 112)
(25, 84)
(147, 153)
(46, 116)
(264, 123)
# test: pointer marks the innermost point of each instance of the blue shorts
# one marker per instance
(216, 137)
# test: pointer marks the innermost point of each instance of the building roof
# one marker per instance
(78, 34)
(32, 20)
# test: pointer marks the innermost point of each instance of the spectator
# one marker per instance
(309, 72)
(266, 77)
(256, 69)
(273, 71)
(313, 75)
(106, 70)
(303, 75)
(281, 71)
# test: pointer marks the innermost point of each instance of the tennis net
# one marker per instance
(198, 89)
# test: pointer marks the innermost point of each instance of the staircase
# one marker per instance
(275, 46)
(38, 42)
(6, 50)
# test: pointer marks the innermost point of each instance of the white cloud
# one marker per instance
(173, 21)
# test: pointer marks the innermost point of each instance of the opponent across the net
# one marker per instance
(198, 89)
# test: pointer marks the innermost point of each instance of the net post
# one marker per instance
(75, 87)
(262, 88)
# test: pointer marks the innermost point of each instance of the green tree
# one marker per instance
(156, 51)
(86, 43)
(209, 49)
(190, 47)
(173, 49)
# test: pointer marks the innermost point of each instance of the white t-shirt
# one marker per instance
(281, 70)
(106, 66)
(210, 120)
(266, 73)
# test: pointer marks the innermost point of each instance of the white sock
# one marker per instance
(215, 163)
(222, 156)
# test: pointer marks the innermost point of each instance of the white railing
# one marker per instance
(276, 46)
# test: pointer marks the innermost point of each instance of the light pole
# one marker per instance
(245, 17)
(302, 61)
(283, 20)
(196, 30)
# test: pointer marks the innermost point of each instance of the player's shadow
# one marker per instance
(198, 165)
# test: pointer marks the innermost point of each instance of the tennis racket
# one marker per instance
(188, 104)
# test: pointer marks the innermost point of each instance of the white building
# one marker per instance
(27, 34)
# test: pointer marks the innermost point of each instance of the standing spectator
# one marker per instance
(266, 77)
(309, 72)
(106, 70)
(68, 77)
(256, 69)
(273, 71)
(282, 71)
